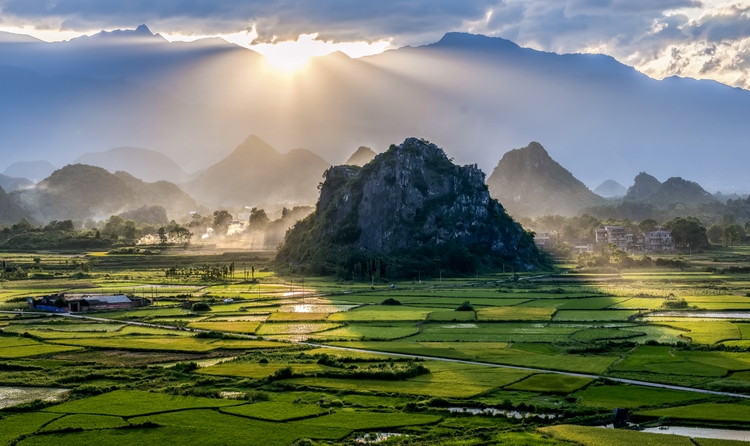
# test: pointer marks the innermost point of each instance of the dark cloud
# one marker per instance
(285, 19)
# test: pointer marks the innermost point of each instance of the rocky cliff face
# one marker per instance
(530, 183)
(409, 202)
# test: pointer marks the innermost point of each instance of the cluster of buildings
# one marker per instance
(59, 303)
(659, 240)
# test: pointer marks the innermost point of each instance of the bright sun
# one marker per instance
(291, 55)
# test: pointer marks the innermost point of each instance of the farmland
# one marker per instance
(534, 360)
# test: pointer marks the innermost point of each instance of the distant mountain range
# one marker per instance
(529, 183)
(78, 192)
(611, 189)
(255, 174)
(194, 100)
(147, 165)
(35, 171)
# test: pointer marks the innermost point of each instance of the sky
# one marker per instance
(706, 39)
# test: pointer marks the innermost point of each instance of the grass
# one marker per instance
(128, 403)
(369, 331)
(714, 412)
(632, 397)
(294, 317)
(550, 383)
(514, 314)
(276, 411)
(255, 370)
(596, 436)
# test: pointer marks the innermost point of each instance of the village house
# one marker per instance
(59, 303)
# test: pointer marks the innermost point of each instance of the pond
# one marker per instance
(13, 396)
(701, 432)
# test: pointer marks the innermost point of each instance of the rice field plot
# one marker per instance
(361, 420)
(15, 426)
(321, 307)
(128, 403)
(24, 350)
(712, 412)
(633, 397)
(640, 303)
(276, 411)
(295, 317)
(492, 352)
(588, 303)
(84, 421)
(550, 383)
(456, 384)
(13, 396)
(164, 343)
(382, 313)
(454, 302)
(664, 360)
(514, 314)
(280, 328)
(65, 327)
(604, 334)
(593, 315)
(125, 331)
(257, 370)
(596, 436)
(707, 331)
(452, 315)
(229, 318)
(368, 331)
(233, 327)
(203, 427)
(495, 332)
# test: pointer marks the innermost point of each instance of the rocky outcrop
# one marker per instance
(530, 183)
(410, 209)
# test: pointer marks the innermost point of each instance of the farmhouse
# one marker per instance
(59, 303)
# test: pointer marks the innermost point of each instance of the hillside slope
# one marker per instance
(78, 191)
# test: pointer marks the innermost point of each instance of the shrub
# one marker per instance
(201, 306)
(466, 306)
(390, 301)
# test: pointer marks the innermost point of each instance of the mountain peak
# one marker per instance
(644, 186)
(143, 30)
(611, 189)
(362, 156)
(474, 41)
(253, 144)
(528, 182)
